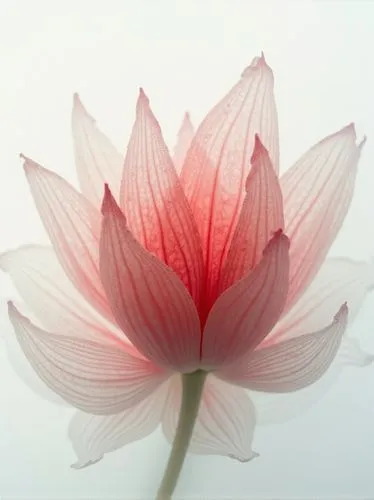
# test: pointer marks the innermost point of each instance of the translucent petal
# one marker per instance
(68, 218)
(93, 436)
(317, 192)
(278, 408)
(225, 423)
(260, 217)
(185, 136)
(97, 160)
(292, 364)
(154, 203)
(93, 377)
(218, 161)
(44, 286)
(148, 300)
(246, 312)
(339, 280)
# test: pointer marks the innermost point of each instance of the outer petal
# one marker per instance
(317, 193)
(225, 422)
(245, 313)
(94, 435)
(97, 160)
(218, 160)
(292, 364)
(44, 286)
(278, 408)
(185, 136)
(339, 280)
(155, 205)
(24, 370)
(261, 216)
(67, 217)
(93, 377)
(148, 300)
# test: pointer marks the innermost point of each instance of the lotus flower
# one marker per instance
(167, 294)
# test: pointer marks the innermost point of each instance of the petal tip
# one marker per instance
(278, 236)
(258, 62)
(82, 464)
(244, 459)
(143, 101)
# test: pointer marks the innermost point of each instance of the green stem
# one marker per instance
(192, 388)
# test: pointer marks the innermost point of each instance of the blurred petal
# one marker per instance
(67, 217)
(148, 300)
(155, 205)
(317, 193)
(339, 280)
(260, 217)
(218, 161)
(185, 136)
(246, 312)
(94, 435)
(278, 408)
(225, 422)
(292, 364)
(44, 286)
(97, 160)
(93, 377)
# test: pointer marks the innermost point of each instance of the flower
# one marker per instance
(220, 270)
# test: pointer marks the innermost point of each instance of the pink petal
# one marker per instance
(93, 436)
(154, 203)
(67, 217)
(317, 193)
(44, 286)
(97, 160)
(278, 408)
(260, 217)
(93, 377)
(218, 161)
(245, 313)
(185, 136)
(148, 300)
(225, 422)
(339, 280)
(292, 364)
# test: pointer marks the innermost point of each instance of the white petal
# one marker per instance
(94, 435)
(225, 422)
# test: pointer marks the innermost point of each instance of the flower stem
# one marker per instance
(192, 389)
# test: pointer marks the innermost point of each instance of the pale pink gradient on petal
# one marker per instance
(67, 217)
(148, 299)
(46, 289)
(93, 377)
(218, 161)
(261, 216)
(317, 193)
(97, 160)
(154, 203)
(185, 136)
(225, 423)
(93, 436)
(281, 407)
(247, 311)
(292, 364)
(339, 280)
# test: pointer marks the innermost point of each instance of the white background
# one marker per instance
(186, 54)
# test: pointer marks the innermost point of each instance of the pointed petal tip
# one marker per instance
(277, 236)
(343, 311)
(143, 101)
(258, 149)
(82, 465)
(108, 200)
(258, 62)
